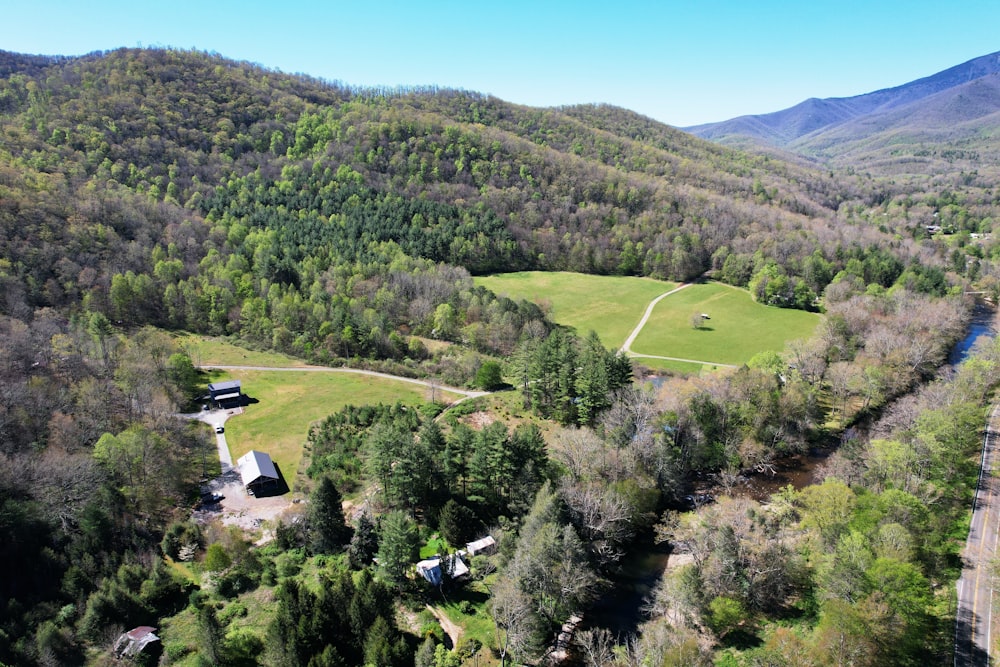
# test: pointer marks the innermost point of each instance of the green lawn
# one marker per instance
(610, 305)
(288, 402)
(477, 625)
(738, 329)
(210, 351)
(434, 546)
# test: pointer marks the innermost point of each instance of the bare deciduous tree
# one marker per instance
(514, 620)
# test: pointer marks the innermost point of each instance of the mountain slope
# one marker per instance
(817, 127)
(185, 190)
(960, 124)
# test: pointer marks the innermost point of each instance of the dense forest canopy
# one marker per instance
(228, 151)
(151, 189)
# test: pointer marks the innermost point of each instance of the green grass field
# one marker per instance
(738, 329)
(288, 402)
(209, 351)
(610, 305)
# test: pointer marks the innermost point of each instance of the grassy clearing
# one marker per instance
(209, 351)
(288, 402)
(738, 329)
(182, 569)
(251, 612)
(466, 608)
(610, 305)
(434, 546)
(180, 635)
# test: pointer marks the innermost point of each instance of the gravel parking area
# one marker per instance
(237, 507)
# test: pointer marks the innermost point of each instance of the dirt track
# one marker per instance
(453, 631)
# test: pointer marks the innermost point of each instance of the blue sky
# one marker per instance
(679, 61)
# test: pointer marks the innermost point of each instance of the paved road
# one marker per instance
(973, 617)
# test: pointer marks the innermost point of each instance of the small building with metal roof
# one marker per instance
(485, 545)
(131, 643)
(258, 472)
(228, 392)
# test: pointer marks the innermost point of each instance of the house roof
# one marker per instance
(131, 643)
(481, 545)
(431, 570)
(229, 386)
(255, 465)
(456, 566)
(140, 632)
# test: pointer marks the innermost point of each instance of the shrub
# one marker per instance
(489, 376)
(235, 610)
(216, 558)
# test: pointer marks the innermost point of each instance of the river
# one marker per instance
(620, 610)
(982, 327)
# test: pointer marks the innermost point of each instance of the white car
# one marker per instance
(219, 429)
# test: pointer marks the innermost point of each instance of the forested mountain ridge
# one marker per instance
(918, 127)
(212, 181)
(183, 190)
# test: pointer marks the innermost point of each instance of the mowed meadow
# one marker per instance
(284, 404)
(610, 305)
(738, 327)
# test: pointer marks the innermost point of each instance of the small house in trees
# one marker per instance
(258, 472)
(226, 394)
(430, 569)
(486, 545)
(455, 567)
(434, 570)
(132, 643)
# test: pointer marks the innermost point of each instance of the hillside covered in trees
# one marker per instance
(208, 186)
(143, 190)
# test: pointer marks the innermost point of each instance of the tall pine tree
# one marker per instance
(328, 532)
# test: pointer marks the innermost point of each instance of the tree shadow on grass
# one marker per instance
(741, 639)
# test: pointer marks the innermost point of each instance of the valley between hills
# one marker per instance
(639, 320)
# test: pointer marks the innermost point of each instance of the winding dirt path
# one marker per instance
(636, 355)
(627, 346)
(453, 631)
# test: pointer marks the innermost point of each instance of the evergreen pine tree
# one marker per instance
(397, 550)
(328, 531)
(457, 523)
(364, 543)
